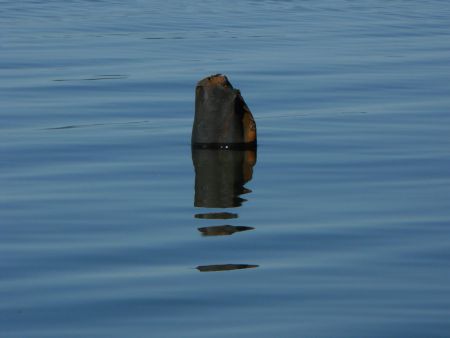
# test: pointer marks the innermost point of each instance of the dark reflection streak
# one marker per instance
(225, 267)
(216, 215)
(223, 230)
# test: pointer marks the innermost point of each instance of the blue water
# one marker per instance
(349, 200)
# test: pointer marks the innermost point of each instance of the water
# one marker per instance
(346, 210)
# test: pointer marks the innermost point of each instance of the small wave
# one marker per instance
(73, 126)
(96, 78)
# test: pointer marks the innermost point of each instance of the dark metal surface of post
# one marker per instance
(222, 118)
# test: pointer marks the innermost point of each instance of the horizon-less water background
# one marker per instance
(350, 195)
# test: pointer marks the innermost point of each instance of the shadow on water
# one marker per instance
(220, 176)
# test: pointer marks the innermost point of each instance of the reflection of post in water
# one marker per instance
(216, 215)
(222, 230)
(224, 267)
(220, 175)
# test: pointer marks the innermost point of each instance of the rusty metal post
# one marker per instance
(222, 118)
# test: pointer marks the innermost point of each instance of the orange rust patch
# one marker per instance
(216, 80)
(249, 126)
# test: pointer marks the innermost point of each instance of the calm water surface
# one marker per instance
(339, 225)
